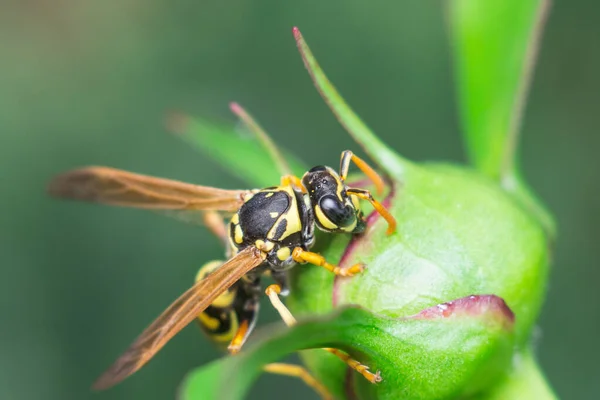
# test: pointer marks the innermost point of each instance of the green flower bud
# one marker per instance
(459, 234)
(447, 304)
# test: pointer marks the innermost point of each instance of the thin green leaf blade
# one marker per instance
(495, 44)
(387, 159)
(207, 381)
(242, 155)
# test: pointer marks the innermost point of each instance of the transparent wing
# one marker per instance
(126, 189)
(184, 310)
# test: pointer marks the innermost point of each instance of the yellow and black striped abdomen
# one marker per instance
(221, 320)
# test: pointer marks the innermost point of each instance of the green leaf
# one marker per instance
(494, 44)
(245, 156)
(459, 233)
(460, 346)
(387, 159)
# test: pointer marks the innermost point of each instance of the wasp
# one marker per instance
(270, 231)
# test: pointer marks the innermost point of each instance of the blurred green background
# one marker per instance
(88, 82)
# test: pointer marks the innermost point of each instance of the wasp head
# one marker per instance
(334, 209)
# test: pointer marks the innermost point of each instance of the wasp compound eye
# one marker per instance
(337, 212)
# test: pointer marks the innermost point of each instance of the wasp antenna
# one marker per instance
(262, 136)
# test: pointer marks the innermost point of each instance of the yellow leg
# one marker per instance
(366, 195)
(273, 292)
(300, 372)
(357, 366)
(303, 256)
(240, 337)
(293, 181)
(348, 156)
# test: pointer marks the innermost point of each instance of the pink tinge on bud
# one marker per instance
(469, 306)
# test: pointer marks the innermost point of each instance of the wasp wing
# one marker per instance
(127, 189)
(179, 314)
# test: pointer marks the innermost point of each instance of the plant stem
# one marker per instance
(525, 382)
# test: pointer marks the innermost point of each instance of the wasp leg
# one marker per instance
(264, 139)
(273, 294)
(355, 365)
(247, 316)
(294, 181)
(246, 309)
(215, 223)
(239, 338)
(366, 195)
(302, 256)
(300, 372)
(348, 156)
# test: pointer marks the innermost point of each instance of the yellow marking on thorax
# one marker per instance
(234, 248)
(238, 235)
(235, 219)
(269, 194)
(232, 242)
(264, 246)
(274, 214)
(284, 253)
(294, 223)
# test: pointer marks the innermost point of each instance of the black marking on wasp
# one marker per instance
(280, 221)
(271, 230)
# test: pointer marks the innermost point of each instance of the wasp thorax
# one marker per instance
(334, 210)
